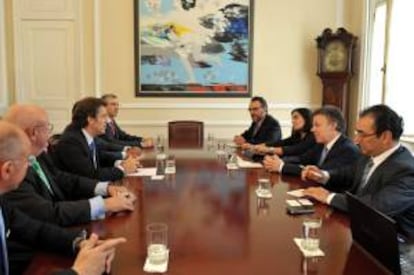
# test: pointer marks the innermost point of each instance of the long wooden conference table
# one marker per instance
(217, 225)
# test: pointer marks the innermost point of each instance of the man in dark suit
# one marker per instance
(264, 128)
(333, 148)
(114, 133)
(52, 195)
(15, 226)
(78, 151)
(383, 177)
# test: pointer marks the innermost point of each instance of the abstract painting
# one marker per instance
(193, 47)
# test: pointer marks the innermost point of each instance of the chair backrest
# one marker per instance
(185, 134)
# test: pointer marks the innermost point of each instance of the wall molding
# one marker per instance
(214, 106)
(215, 123)
(339, 17)
(97, 36)
(4, 99)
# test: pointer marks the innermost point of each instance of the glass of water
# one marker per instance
(157, 237)
(170, 165)
(311, 230)
(264, 188)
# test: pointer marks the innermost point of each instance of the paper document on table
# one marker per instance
(247, 164)
(298, 193)
(144, 172)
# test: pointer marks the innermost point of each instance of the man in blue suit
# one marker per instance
(383, 177)
(113, 133)
(333, 148)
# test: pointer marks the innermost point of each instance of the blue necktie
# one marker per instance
(92, 150)
(4, 263)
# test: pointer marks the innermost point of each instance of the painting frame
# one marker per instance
(163, 69)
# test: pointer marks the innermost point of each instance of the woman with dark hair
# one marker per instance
(300, 140)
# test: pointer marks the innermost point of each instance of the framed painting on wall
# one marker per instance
(193, 47)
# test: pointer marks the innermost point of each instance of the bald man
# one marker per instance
(94, 258)
(51, 195)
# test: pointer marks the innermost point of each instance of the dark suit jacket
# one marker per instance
(120, 137)
(68, 205)
(343, 152)
(269, 132)
(21, 229)
(390, 188)
(72, 154)
(294, 145)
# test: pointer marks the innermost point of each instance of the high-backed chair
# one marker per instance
(185, 134)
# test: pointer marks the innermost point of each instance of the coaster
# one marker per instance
(157, 177)
(156, 268)
(263, 194)
(307, 253)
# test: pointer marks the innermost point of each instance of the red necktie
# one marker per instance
(112, 126)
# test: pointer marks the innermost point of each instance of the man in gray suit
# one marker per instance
(383, 177)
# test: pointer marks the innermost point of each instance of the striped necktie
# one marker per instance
(39, 171)
(4, 262)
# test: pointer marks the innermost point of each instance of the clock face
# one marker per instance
(336, 57)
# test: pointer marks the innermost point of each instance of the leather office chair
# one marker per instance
(185, 134)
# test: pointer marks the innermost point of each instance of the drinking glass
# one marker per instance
(264, 188)
(170, 165)
(311, 230)
(157, 237)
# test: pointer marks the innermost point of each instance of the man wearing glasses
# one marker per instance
(263, 129)
(52, 195)
(94, 256)
(382, 178)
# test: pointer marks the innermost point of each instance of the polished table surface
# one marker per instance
(217, 225)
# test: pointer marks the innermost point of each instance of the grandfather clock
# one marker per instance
(335, 66)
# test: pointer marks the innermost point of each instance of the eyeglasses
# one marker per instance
(361, 134)
(254, 109)
(48, 127)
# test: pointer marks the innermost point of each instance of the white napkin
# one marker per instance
(307, 253)
(247, 164)
(156, 268)
(263, 193)
(232, 166)
(298, 193)
(144, 172)
(157, 177)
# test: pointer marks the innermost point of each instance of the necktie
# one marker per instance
(365, 173)
(4, 262)
(92, 151)
(323, 156)
(39, 171)
(256, 128)
(112, 127)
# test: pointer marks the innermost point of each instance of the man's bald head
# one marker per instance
(13, 142)
(34, 121)
(25, 116)
(14, 151)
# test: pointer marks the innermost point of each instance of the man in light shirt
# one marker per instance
(383, 177)
(52, 195)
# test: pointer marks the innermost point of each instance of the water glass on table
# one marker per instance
(157, 243)
(170, 165)
(311, 230)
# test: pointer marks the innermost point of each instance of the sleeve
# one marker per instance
(40, 234)
(300, 147)
(63, 213)
(247, 135)
(274, 133)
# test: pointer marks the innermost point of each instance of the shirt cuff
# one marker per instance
(101, 188)
(97, 208)
(330, 198)
(118, 165)
(325, 177)
(281, 166)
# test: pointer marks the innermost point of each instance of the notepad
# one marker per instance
(144, 172)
